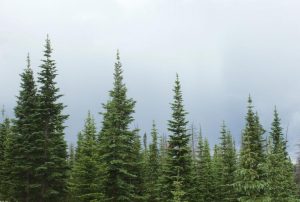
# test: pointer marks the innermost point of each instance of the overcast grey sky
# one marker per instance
(222, 49)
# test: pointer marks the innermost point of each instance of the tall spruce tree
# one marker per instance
(117, 143)
(52, 170)
(179, 160)
(229, 165)
(25, 152)
(281, 183)
(85, 181)
(251, 174)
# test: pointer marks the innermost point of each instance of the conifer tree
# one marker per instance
(71, 157)
(137, 169)
(178, 193)
(26, 152)
(52, 169)
(282, 186)
(163, 146)
(85, 181)
(229, 165)
(152, 170)
(144, 165)
(179, 160)
(3, 136)
(217, 175)
(117, 149)
(205, 174)
(251, 175)
(6, 161)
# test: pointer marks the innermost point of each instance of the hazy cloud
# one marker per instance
(222, 49)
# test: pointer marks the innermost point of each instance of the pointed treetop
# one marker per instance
(118, 69)
(250, 105)
(48, 49)
(118, 54)
(249, 99)
(3, 111)
(28, 61)
(145, 141)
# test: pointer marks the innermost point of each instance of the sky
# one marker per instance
(223, 50)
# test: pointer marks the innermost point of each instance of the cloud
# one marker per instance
(222, 50)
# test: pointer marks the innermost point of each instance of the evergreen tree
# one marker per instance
(71, 157)
(71, 162)
(178, 192)
(179, 160)
(3, 136)
(52, 169)
(6, 161)
(152, 170)
(163, 146)
(229, 165)
(84, 184)
(251, 175)
(282, 186)
(117, 148)
(137, 169)
(25, 152)
(144, 166)
(217, 175)
(205, 174)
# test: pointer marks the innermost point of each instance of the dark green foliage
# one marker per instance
(26, 153)
(217, 175)
(205, 172)
(71, 157)
(84, 185)
(152, 168)
(179, 160)
(251, 175)
(178, 193)
(229, 165)
(117, 144)
(282, 186)
(52, 167)
(137, 169)
(6, 161)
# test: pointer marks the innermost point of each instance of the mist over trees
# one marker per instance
(113, 165)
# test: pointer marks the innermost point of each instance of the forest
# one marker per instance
(118, 163)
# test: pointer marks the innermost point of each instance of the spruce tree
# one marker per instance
(52, 169)
(85, 181)
(251, 174)
(117, 143)
(229, 165)
(282, 186)
(144, 165)
(179, 161)
(26, 153)
(6, 161)
(137, 169)
(205, 172)
(178, 193)
(152, 170)
(71, 156)
(217, 175)
(163, 146)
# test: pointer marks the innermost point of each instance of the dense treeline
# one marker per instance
(112, 165)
